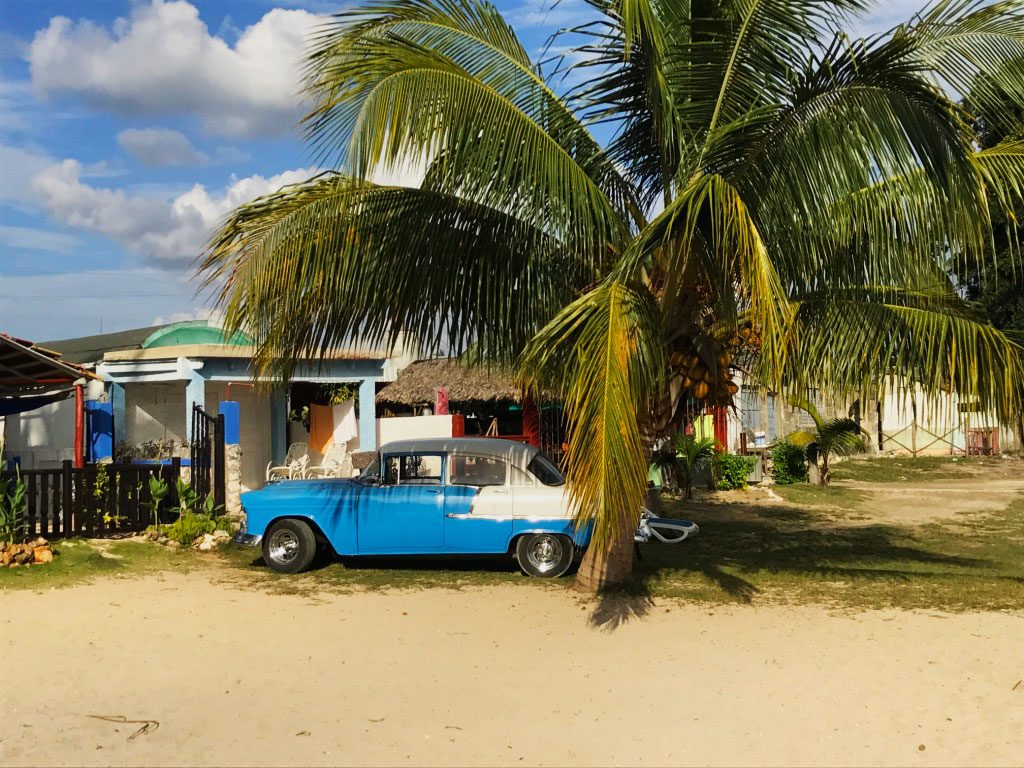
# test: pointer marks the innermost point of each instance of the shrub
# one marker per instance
(730, 471)
(789, 463)
(191, 525)
(13, 509)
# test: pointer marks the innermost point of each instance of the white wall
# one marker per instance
(411, 427)
(154, 412)
(937, 427)
(254, 428)
(43, 438)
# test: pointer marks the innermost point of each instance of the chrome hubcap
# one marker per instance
(544, 553)
(283, 547)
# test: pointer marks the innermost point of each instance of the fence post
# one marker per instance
(219, 479)
(66, 497)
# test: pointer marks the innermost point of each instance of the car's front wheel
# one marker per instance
(547, 555)
(289, 546)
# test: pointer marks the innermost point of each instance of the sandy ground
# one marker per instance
(495, 676)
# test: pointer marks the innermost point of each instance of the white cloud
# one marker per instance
(166, 232)
(18, 165)
(549, 13)
(884, 16)
(160, 147)
(203, 313)
(31, 239)
(162, 59)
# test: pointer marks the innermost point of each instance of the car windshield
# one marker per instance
(371, 475)
(545, 470)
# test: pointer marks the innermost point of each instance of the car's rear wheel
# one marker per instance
(289, 546)
(547, 555)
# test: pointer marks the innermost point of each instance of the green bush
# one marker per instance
(191, 525)
(730, 471)
(13, 510)
(789, 463)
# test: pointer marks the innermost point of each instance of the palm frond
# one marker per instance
(852, 340)
(604, 354)
(323, 264)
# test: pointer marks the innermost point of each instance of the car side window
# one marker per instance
(477, 470)
(520, 478)
(412, 469)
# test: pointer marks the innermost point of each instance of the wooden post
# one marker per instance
(79, 426)
(913, 426)
(219, 459)
(66, 478)
(531, 421)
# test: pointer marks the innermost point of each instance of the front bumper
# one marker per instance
(247, 539)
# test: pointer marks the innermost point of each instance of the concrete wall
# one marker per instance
(254, 429)
(411, 427)
(154, 412)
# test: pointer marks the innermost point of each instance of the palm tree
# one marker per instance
(774, 195)
(689, 452)
(832, 437)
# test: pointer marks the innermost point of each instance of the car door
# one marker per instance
(405, 512)
(478, 505)
(541, 502)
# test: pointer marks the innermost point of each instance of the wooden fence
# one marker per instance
(96, 500)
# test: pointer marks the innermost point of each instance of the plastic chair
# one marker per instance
(294, 466)
(336, 463)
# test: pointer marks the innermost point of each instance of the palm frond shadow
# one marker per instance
(730, 551)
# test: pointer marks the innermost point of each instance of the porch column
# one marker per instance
(117, 405)
(195, 394)
(278, 426)
(367, 415)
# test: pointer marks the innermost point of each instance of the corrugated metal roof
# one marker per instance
(90, 349)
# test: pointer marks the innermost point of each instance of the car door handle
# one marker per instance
(435, 491)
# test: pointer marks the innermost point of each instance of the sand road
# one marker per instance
(493, 676)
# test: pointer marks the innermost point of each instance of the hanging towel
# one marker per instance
(346, 426)
(321, 427)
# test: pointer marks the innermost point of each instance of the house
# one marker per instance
(33, 377)
(446, 397)
(149, 380)
(902, 420)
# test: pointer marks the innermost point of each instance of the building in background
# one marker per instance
(149, 380)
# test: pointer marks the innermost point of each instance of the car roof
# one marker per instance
(519, 454)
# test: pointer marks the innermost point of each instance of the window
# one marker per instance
(412, 469)
(520, 478)
(477, 470)
(545, 470)
(371, 475)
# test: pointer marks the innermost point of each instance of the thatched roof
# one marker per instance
(415, 385)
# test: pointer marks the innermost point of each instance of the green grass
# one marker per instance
(830, 497)
(908, 469)
(789, 555)
(79, 562)
(818, 546)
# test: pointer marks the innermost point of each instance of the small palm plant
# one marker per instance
(833, 437)
(689, 453)
(158, 490)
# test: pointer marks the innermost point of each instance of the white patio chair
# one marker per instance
(664, 529)
(294, 466)
(336, 463)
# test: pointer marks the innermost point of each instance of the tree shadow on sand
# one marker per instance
(735, 544)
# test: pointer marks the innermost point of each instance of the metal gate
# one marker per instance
(208, 460)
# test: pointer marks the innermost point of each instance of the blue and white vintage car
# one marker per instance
(431, 497)
(424, 497)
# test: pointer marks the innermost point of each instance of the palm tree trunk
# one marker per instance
(601, 569)
(826, 472)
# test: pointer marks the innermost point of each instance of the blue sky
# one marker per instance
(129, 127)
